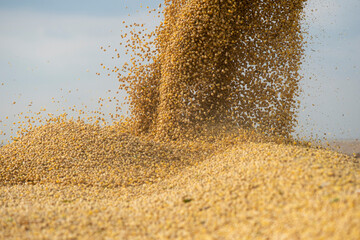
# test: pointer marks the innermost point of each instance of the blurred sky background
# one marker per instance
(51, 49)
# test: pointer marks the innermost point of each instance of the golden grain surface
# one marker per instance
(251, 191)
(73, 152)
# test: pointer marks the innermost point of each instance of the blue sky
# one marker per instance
(77, 7)
(50, 45)
(330, 103)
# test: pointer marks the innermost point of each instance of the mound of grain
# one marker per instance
(72, 152)
(252, 191)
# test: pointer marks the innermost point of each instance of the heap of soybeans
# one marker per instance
(208, 151)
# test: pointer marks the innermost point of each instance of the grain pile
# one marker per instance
(72, 152)
(252, 191)
(207, 152)
(68, 152)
